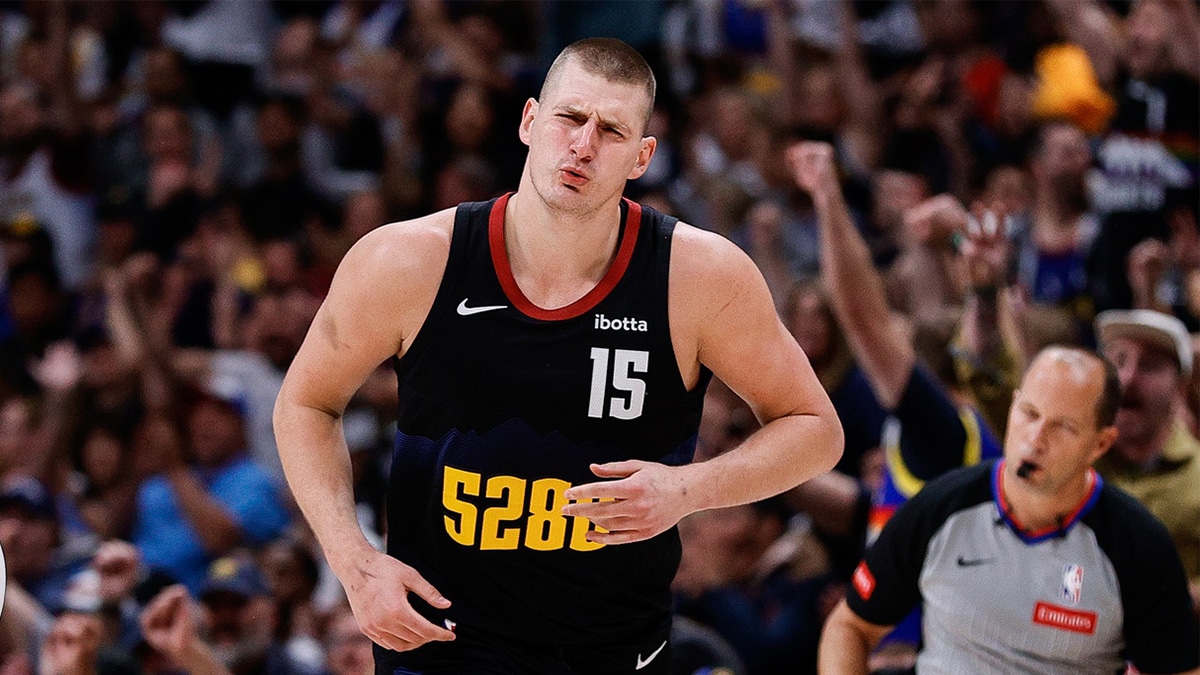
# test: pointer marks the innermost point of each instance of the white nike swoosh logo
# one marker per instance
(463, 310)
(643, 663)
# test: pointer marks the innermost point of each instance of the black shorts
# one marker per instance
(478, 654)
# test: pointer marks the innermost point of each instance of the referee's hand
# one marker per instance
(378, 590)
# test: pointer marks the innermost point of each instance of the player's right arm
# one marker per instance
(380, 295)
(846, 642)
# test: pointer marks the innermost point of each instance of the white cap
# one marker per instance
(1147, 325)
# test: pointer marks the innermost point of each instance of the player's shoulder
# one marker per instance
(412, 238)
(412, 246)
(700, 245)
(707, 258)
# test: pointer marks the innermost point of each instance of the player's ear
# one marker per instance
(527, 115)
(645, 154)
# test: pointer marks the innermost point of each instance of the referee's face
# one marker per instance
(1052, 429)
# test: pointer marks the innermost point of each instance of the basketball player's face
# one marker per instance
(585, 140)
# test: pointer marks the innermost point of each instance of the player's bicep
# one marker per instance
(746, 345)
(378, 295)
(337, 355)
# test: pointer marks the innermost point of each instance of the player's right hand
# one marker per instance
(378, 589)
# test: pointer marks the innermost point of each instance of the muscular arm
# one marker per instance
(379, 296)
(722, 317)
(846, 642)
(743, 342)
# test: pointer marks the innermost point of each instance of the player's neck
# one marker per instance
(556, 258)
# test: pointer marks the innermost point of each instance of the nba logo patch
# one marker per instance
(1072, 584)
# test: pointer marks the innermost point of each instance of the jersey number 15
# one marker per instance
(625, 362)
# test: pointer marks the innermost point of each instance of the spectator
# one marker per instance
(108, 489)
(175, 182)
(189, 514)
(1151, 66)
(1166, 276)
(883, 348)
(239, 623)
(808, 316)
(1053, 241)
(162, 80)
(731, 579)
(930, 434)
(292, 574)
(349, 650)
(1155, 458)
(35, 553)
(277, 203)
(43, 166)
(168, 627)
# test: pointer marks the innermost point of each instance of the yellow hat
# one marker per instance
(1067, 89)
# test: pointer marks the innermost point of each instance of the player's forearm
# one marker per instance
(857, 296)
(782, 454)
(316, 463)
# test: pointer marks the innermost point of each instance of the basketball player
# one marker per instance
(552, 348)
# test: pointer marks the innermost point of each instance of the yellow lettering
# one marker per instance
(461, 530)
(494, 537)
(546, 527)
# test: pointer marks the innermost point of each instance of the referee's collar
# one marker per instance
(1030, 536)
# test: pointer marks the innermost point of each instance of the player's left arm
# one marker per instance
(722, 316)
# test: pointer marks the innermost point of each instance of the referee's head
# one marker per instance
(1062, 418)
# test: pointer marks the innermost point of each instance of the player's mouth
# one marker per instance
(572, 177)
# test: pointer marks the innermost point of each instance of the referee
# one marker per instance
(1030, 564)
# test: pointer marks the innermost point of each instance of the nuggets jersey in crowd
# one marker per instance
(503, 407)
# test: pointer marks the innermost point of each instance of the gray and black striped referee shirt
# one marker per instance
(1103, 588)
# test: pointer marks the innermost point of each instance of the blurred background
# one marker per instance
(180, 178)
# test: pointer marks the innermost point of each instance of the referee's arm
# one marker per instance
(846, 642)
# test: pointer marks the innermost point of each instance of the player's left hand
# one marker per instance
(645, 500)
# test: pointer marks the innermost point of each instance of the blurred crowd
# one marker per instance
(180, 178)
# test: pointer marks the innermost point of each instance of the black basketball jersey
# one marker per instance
(503, 406)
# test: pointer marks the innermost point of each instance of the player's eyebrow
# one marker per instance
(602, 121)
